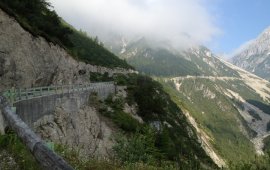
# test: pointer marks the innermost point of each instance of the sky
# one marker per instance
(221, 25)
(240, 22)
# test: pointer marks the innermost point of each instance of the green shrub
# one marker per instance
(23, 158)
(123, 120)
(139, 147)
(98, 77)
(90, 51)
(262, 106)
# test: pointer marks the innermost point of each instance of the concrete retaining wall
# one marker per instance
(32, 110)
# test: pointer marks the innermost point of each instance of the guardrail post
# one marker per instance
(45, 157)
(26, 91)
(20, 94)
(41, 92)
(25, 94)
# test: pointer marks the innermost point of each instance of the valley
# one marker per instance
(223, 102)
(172, 103)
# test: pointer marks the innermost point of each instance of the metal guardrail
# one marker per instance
(15, 95)
(47, 158)
(44, 155)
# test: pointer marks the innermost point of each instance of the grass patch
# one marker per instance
(23, 158)
(217, 117)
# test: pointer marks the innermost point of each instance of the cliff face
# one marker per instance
(27, 61)
(83, 130)
(255, 57)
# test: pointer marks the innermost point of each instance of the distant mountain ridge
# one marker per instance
(165, 60)
(255, 57)
(225, 101)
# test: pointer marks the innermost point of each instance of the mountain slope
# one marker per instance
(37, 17)
(227, 105)
(224, 108)
(163, 60)
(154, 130)
(255, 57)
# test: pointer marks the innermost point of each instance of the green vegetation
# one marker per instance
(241, 88)
(131, 153)
(37, 17)
(262, 106)
(175, 139)
(259, 163)
(170, 138)
(11, 144)
(162, 63)
(167, 62)
(268, 126)
(141, 145)
(98, 77)
(25, 161)
(202, 60)
(266, 142)
(216, 116)
(114, 110)
(91, 51)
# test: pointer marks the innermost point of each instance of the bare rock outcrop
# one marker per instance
(82, 131)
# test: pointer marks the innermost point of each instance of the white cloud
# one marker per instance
(179, 21)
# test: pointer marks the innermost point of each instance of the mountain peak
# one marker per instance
(266, 31)
(255, 57)
(264, 36)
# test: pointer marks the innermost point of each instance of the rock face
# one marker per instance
(256, 56)
(82, 130)
(27, 61)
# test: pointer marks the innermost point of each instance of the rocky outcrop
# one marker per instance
(27, 61)
(83, 131)
(255, 55)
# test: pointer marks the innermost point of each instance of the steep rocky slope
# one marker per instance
(255, 56)
(225, 110)
(27, 61)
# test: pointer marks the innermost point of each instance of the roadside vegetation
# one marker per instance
(164, 140)
(14, 154)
